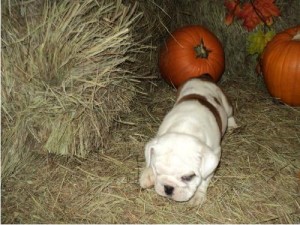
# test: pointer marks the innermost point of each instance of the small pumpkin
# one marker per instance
(189, 52)
(280, 66)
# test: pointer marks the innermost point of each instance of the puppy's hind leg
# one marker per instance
(229, 111)
(231, 123)
(147, 178)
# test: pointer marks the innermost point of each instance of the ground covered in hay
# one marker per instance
(256, 181)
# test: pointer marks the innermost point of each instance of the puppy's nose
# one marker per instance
(168, 189)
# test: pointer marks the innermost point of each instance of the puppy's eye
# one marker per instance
(188, 177)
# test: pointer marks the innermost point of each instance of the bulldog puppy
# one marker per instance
(182, 158)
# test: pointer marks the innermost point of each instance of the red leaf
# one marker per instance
(231, 4)
(252, 13)
(250, 17)
(233, 8)
(258, 12)
(251, 23)
(229, 18)
(267, 8)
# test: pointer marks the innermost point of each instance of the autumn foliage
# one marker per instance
(251, 13)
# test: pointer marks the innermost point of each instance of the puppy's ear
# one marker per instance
(209, 162)
(149, 150)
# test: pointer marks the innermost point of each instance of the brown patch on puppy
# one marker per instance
(217, 101)
(202, 100)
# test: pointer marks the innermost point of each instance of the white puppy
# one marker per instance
(181, 159)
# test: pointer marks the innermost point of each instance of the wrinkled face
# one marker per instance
(175, 178)
(179, 163)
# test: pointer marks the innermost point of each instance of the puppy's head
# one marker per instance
(179, 162)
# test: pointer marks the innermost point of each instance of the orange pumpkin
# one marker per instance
(280, 66)
(190, 52)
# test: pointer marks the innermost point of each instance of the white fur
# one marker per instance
(187, 143)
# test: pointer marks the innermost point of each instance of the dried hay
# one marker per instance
(157, 26)
(69, 68)
(255, 183)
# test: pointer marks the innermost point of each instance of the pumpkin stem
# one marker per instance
(201, 51)
(297, 36)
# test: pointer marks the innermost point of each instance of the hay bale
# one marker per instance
(66, 75)
(77, 66)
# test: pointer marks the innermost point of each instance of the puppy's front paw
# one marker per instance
(147, 178)
(198, 199)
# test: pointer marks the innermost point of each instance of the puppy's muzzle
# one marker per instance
(168, 190)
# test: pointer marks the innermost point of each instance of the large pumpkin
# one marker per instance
(280, 65)
(190, 52)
